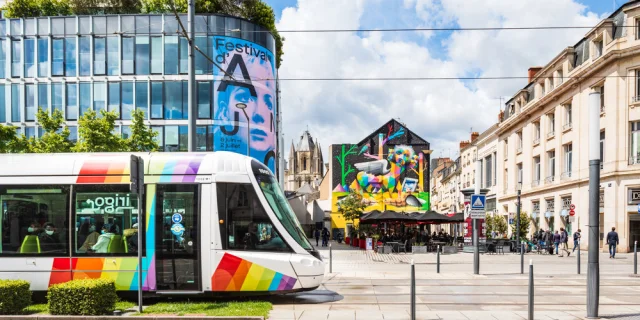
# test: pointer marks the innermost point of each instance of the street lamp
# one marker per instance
(243, 107)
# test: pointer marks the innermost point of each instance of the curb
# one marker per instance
(162, 317)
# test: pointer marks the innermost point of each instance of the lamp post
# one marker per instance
(243, 107)
(593, 270)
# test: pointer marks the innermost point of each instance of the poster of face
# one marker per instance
(409, 185)
(249, 81)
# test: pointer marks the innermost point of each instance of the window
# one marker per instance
(597, 46)
(184, 55)
(602, 136)
(506, 149)
(156, 55)
(127, 100)
(85, 56)
(560, 78)
(519, 135)
(99, 96)
(536, 132)
(550, 213)
(160, 137)
(30, 102)
(602, 106)
(201, 63)
(552, 124)
(70, 57)
(57, 95)
(519, 177)
(171, 138)
(99, 56)
(29, 57)
(551, 83)
(173, 108)
(43, 57)
(551, 155)
(3, 102)
(30, 132)
(568, 116)
(72, 102)
(506, 180)
(536, 208)
(73, 134)
(43, 97)
(128, 48)
(16, 57)
(57, 57)
(244, 223)
(142, 55)
(542, 88)
(85, 97)
(105, 219)
(3, 57)
(142, 98)
(126, 132)
(488, 174)
(536, 171)
(113, 60)
(114, 97)
(634, 156)
(204, 98)
(156, 100)
(568, 160)
(15, 102)
(184, 138)
(33, 220)
(170, 54)
(637, 29)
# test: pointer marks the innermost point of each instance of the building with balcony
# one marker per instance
(124, 62)
(542, 145)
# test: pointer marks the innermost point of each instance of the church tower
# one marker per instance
(305, 165)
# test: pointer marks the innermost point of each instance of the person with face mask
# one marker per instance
(92, 238)
(49, 241)
(103, 240)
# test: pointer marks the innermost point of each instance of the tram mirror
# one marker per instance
(133, 174)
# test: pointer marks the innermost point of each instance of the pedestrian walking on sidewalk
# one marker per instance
(317, 235)
(556, 241)
(325, 237)
(564, 242)
(576, 239)
(613, 241)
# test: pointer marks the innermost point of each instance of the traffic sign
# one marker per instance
(638, 207)
(478, 201)
(572, 207)
(477, 214)
(572, 213)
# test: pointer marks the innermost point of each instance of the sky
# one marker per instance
(442, 112)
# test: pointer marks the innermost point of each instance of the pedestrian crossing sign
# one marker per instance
(478, 201)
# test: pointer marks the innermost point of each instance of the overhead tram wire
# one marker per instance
(432, 78)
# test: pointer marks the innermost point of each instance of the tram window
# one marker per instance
(34, 220)
(244, 224)
(106, 221)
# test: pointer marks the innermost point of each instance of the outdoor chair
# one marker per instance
(500, 247)
(402, 247)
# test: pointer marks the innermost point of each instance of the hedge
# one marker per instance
(14, 296)
(83, 297)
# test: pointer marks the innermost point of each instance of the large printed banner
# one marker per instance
(252, 70)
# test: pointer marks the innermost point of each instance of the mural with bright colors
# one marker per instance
(386, 167)
(236, 274)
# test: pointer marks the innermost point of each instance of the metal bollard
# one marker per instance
(522, 258)
(413, 291)
(530, 289)
(330, 259)
(438, 259)
(578, 256)
(635, 257)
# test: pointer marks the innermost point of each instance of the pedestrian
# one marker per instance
(548, 240)
(317, 235)
(564, 241)
(613, 241)
(325, 237)
(556, 240)
(576, 239)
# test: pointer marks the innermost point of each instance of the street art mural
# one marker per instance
(386, 167)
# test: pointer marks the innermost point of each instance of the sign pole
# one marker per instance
(476, 226)
(593, 269)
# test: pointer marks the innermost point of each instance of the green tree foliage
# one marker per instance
(10, 142)
(96, 133)
(496, 223)
(351, 206)
(54, 139)
(262, 14)
(37, 8)
(525, 223)
(142, 137)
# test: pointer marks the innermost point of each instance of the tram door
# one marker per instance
(177, 238)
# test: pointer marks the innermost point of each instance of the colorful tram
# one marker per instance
(213, 223)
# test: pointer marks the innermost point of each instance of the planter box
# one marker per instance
(418, 249)
(363, 244)
(355, 242)
(347, 240)
(449, 249)
(385, 249)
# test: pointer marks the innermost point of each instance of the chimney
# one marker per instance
(474, 136)
(463, 144)
(532, 72)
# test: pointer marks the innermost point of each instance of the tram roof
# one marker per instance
(118, 164)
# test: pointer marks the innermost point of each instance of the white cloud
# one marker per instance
(442, 112)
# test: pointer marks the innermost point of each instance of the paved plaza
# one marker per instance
(367, 285)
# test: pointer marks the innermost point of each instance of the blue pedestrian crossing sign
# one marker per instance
(478, 201)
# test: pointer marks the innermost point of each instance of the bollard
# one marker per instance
(330, 259)
(531, 289)
(522, 258)
(635, 257)
(578, 256)
(413, 291)
(438, 259)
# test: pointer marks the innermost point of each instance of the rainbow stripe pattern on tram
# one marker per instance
(236, 274)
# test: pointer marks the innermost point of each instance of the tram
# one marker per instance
(213, 223)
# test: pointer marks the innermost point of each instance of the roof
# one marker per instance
(306, 142)
(389, 129)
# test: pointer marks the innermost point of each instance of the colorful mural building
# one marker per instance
(385, 167)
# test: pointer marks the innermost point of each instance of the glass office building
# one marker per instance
(126, 62)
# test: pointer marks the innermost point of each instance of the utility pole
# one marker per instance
(476, 225)
(192, 77)
(593, 269)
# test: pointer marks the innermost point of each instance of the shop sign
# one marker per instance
(634, 196)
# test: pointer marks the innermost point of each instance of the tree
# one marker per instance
(351, 206)
(142, 136)
(525, 223)
(55, 138)
(262, 14)
(10, 142)
(96, 133)
(36, 8)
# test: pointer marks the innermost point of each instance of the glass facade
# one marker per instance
(121, 62)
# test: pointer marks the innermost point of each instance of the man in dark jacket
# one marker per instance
(613, 241)
(564, 238)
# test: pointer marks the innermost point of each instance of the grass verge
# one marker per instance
(243, 308)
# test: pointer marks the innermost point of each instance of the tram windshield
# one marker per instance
(279, 204)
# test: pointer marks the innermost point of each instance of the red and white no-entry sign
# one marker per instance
(572, 213)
